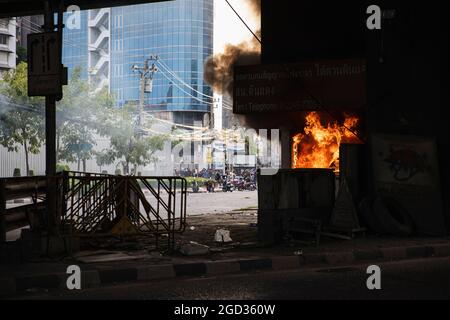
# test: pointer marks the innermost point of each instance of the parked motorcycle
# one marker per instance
(250, 186)
(228, 187)
(246, 186)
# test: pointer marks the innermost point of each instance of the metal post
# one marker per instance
(50, 153)
(50, 139)
(144, 71)
(141, 100)
(2, 211)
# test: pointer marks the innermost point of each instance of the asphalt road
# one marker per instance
(220, 202)
(415, 279)
(198, 204)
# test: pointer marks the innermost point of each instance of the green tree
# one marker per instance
(77, 144)
(71, 111)
(105, 158)
(131, 147)
(81, 114)
(22, 124)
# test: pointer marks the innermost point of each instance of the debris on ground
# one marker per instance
(223, 236)
(194, 249)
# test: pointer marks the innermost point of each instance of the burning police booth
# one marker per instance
(318, 108)
(343, 171)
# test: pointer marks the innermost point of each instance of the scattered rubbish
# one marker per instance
(194, 249)
(222, 236)
(298, 253)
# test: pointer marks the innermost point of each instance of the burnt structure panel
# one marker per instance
(408, 78)
(293, 194)
(294, 31)
(407, 61)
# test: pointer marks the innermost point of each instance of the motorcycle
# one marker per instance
(250, 186)
(228, 187)
(247, 186)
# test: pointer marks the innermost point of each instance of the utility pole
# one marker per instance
(50, 116)
(146, 74)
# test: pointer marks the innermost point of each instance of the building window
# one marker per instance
(118, 45)
(118, 21)
(4, 23)
(3, 39)
(118, 70)
(119, 94)
(3, 57)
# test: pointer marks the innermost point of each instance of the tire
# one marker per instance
(393, 218)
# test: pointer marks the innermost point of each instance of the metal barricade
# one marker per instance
(21, 215)
(96, 204)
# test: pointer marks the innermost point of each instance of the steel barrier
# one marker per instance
(98, 205)
(20, 215)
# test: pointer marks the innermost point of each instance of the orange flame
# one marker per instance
(318, 146)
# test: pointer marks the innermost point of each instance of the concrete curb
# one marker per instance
(111, 275)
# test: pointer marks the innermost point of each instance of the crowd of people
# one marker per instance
(236, 179)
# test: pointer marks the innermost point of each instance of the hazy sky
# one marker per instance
(227, 26)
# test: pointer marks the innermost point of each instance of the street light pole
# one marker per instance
(141, 99)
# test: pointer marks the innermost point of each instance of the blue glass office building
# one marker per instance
(75, 46)
(180, 33)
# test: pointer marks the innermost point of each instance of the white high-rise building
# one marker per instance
(7, 44)
(99, 47)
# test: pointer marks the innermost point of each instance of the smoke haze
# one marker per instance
(219, 68)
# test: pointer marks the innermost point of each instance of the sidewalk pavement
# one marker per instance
(104, 267)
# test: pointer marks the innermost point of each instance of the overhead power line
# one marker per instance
(167, 68)
(173, 74)
(175, 124)
(243, 21)
(184, 91)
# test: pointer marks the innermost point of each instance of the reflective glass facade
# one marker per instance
(180, 33)
(75, 46)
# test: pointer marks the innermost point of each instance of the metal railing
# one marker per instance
(96, 204)
(23, 214)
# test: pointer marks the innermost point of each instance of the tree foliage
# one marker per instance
(82, 116)
(21, 117)
(131, 147)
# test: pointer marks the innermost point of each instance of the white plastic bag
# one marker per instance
(223, 236)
